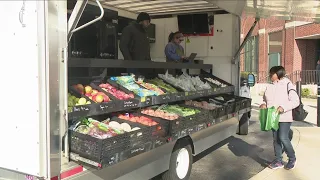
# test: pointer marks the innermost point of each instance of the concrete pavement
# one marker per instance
(306, 141)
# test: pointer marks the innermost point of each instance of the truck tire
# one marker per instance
(244, 124)
(180, 163)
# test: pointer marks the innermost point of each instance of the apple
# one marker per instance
(106, 98)
(94, 97)
(94, 92)
(88, 94)
(99, 98)
(88, 89)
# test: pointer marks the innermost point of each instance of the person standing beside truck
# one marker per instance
(174, 51)
(278, 95)
(134, 42)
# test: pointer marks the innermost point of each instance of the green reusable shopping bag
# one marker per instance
(269, 119)
(272, 119)
(263, 118)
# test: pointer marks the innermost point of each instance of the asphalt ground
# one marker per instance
(238, 157)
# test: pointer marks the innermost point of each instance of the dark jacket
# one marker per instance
(134, 43)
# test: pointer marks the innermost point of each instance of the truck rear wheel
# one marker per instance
(180, 163)
(244, 124)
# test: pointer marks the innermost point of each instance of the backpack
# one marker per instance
(298, 113)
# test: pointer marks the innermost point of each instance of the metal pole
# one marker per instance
(298, 86)
(318, 106)
(245, 40)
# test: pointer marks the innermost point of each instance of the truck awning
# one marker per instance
(302, 10)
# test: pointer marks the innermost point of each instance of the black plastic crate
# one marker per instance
(230, 108)
(213, 114)
(136, 150)
(221, 111)
(163, 127)
(159, 141)
(86, 146)
(202, 116)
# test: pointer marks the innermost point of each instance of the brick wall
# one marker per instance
(296, 54)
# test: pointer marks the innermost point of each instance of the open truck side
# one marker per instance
(35, 42)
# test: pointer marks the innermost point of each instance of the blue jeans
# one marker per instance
(281, 141)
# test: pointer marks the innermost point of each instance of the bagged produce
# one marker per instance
(129, 83)
(186, 82)
(180, 111)
(269, 119)
(160, 83)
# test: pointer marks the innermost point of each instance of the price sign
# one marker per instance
(81, 108)
(183, 133)
(201, 126)
(190, 130)
(148, 100)
(129, 104)
(201, 93)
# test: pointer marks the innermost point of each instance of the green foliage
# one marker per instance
(305, 92)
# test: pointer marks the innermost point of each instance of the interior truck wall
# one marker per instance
(217, 49)
(121, 13)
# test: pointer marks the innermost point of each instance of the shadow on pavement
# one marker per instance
(247, 150)
(239, 148)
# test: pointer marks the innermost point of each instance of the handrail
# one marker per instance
(93, 21)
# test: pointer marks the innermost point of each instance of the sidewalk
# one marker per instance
(310, 105)
(306, 141)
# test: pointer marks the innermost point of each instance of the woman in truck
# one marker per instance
(174, 51)
(277, 95)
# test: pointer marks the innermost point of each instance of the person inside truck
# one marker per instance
(281, 95)
(134, 42)
(174, 51)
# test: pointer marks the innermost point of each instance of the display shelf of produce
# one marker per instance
(119, 105)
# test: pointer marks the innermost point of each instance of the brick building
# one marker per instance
(292, 44)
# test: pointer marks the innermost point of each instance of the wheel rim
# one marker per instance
(182, 165)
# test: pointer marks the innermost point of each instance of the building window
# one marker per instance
(275, 49)
(251, 55)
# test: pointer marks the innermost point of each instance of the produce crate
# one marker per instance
(119, 104)
(170, 126)
(221, 111)
(130, 152)
(144, 101)
(90, 109)
(201, 117)
(159, 141)
(107, 151)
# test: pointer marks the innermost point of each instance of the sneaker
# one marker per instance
(291, 164)
(276, 164)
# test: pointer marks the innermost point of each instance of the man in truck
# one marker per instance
(134, 42)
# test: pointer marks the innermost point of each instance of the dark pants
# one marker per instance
(282, 141)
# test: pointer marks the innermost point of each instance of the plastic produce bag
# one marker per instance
(269, 119)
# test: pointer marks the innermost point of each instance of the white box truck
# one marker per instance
(34, 45)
